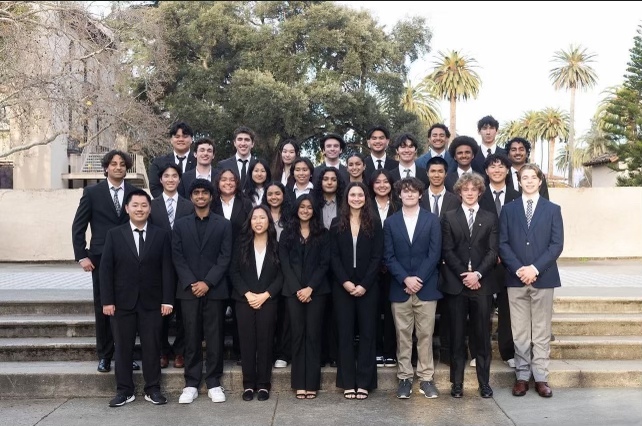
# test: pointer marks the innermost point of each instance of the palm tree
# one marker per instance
(509, 131)
(529, 131)
(551, 124)
(573, 72)
(421, 100)
(455, 80)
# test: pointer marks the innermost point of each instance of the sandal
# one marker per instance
(300, 395)
(349, 394)
(363, 394)
(310, 395)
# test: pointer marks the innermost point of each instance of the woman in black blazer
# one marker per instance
(301, 173)
(257, 281)
(357, 249)
(304, 251)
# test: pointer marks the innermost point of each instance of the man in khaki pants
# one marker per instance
(412, 251)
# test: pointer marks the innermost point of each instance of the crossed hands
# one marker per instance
(354, 290)
(200, 288)
(527, 275)
(256, 300)
(304, 295)
(413, 285)
(470, 280)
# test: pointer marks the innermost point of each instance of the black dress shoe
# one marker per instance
(333, 364)
(248, 395)
(485, 391)
(264, 395)
(457, 390)
(135, 366)
(104, 365)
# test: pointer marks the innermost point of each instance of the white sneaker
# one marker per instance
(280, 363)
(473, 362)
(216, 394)
(511, 363)
(188, 396)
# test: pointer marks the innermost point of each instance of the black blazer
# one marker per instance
(543, 189)
(305, 265)
(244, 277)
(458, 247)
(231, 163)
(420, 173)
(188, 178)
(450, 202)
(487, 200)
(96, 209)
(369, 255)
(343, 173)
(155, 186)
(451, 178)
(389, 164)
(126, 277)
(207, 261)
(479, 159)
(159, 216)
(240, 211)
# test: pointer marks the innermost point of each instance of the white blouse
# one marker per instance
(260, 258)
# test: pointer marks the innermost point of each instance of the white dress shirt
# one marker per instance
(121, 193)
(440, 201)
(502, 196)
(484, 149)
(434, 154)
(227, 208)
(260, 258)
(258, 198)
(467, 211)
(375, 161)
(306, 190)
(461, 172)
(515, 178)
(135, 234)
(284, 178)
(239, 164)
(383, 211)
(184, 161)
(208, 176)
(411, 222)
(535, 199)
(412, 168)
(174, 203)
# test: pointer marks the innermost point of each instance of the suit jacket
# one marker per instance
(240, 211)
(189, 177)
(126, 277)
(389, 164)
(96, 209)
(543, 190)
(206, 261)
(231, 163)
(159, 216)
(369, 255)
(420, 173)
(155, 186)
(487, 200)
(244, 277)
(423, 160)
(305, 265)
(451, 178)
(539, 245)
(343, 173)
(479, 159)
(459, 247)
(419, 257)
(450, 202)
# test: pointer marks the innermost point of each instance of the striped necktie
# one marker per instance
(170, 212)
(529, 212)
(116, 200)
(470, 221)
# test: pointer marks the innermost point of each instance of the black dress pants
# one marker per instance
(306, 320)
(179, 342)
(104, 336)
(256, 337)
(148, 324)
(386, 333)
(504, 332)
(283, 342)
(203, 317)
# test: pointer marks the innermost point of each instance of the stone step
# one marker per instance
(594, 324)
(579, 305)
(12, 326)
(47, 307)
(80, 379)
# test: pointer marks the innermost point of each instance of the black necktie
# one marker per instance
(379, 166)
(498, 203)
(243, 170)
(180, 162)
(141, 241)
(488, 152)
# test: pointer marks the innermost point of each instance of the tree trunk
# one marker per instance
(453, 117)
(531, 157)
(571, 139)
(551, 158)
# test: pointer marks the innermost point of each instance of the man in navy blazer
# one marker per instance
(531, 238)
(412, 251)
(438, 136)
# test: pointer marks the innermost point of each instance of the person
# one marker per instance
(531, 238)
(201, 252)
(205, 152)
(332, 146)
(137, 290)
(287, 152)
(301, 170)
(407, 150)
(274, 197)
(487, 128)
(260, 175)
(327, 194)
(101, 208)
(242, 160)
(304, 251)
(356, 167)
(463, 149)
(519, 151)
(378, 140)
(385, 204)
(166, 210)
(181, 135)
(257, 281)
(357, 250)
(469, 248)
(438, 136)
(412, 250)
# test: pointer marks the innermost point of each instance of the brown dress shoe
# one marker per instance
(543, 390)
(179, 361)
(520, 388)
(164, 362)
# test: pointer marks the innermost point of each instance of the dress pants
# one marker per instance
(104, 336)
(475, 307)
(179, 342)
(386, 334)
(531, 313)
(504, 332)
(306, 320)
(356, 370)
(148, 324)
(415, 314)
(330, 339)
(256, 337)
(203, 317)
(283, 343)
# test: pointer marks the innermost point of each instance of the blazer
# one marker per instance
(305, 265)
(96, 209)
(450, 202)
(207, 261)
(159, 217)
(155, 186)
(423, 160)
(420, 173)
(459, 247)
(343, 173)
(244, 277)
(418, 257)
(240, 211)
(369, 255)
(479, 159)
(451, 178)
(487, 200)
(188, 178)
(539, 245)
(231, 163)
(127, 278)
(389, 164)
(543, 189)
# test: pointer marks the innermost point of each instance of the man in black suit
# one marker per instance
(378, 141)
(204, 152)
(101, 207)
(201, 252)
(181, 138)
(519, 151)
(332, 145)
(137, 288)
(242, 160)
(470, 246)
(166, 209)
(407, 147)
(487, 128)
(463, 149)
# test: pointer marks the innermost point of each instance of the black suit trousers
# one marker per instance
(203, 317)
(104, 336)
(504, 331)
(386, 333)
(179, 342)
(283, 341)
(148, 324)
(256, 337)
(356, 370)
(477, 307)
(306, 320)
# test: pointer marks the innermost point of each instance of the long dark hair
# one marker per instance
(249, 189)
(285, 205)
(246, 239)
(317, 191)
(392, 197)
(293, 226)
(239, 192)
(365, 215)
(278, 160)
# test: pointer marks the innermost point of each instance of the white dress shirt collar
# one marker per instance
(375, 159)
(484, 149)
(412, 168)
(535, 199)
(434, 154)
(174, 197)
(306, 190)
(461, 172)
(208, 176)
